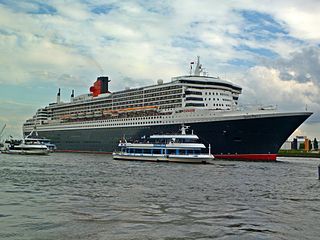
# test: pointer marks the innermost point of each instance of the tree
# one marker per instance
(294, 144)
(310, 145)
(315, 144)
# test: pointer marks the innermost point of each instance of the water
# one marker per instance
(84, 196)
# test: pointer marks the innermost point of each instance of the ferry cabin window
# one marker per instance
(190, 151)
(197, 152)
(138, 150)
(185, 140)
(147, 151)
(156, 151)
(171, 151)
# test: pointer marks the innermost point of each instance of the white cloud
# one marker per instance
(264, 84)
(300, 17)
(139, 43)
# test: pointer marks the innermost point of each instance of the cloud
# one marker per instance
(265, 84)
(302, 66)
(15, 114)
(67, 44)
(300, 17)
(290, 83)
(299, 74)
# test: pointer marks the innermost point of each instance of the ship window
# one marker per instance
(195, 105)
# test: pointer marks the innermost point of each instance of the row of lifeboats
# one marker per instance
(108, 112)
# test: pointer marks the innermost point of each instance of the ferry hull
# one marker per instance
(26, 152)
(252, 138)
(185, 159)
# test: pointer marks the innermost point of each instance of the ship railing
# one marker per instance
(256, 107)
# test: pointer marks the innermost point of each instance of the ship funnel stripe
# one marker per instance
(100, 86)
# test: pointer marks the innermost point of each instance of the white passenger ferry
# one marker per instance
(33, 137)
(182, 147)
(22, 147)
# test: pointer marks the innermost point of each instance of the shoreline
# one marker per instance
(297, 153)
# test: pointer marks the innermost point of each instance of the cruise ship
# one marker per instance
(95, 122)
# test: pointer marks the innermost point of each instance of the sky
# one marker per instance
(270, 48)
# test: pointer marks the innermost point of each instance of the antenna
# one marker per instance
(198, 69)
(191, 63)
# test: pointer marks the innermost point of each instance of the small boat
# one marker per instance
(183, 147)
(44, 141)
(14, 146)
(33, 137)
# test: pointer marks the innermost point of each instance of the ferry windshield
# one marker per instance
(173, 140)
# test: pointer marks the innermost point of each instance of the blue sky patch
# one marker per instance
(261, 26)
(157, 7)
(264, 52)
(258, 21)
(186, 42)
(103, 9)
(31, 7)
(43, 8)
(241, 62)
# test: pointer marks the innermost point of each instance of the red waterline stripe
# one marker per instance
(249, 157)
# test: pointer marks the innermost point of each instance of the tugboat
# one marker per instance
(183, 148)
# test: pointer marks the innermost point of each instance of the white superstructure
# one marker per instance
(190, 96)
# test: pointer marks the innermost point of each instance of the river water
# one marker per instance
(87, 196)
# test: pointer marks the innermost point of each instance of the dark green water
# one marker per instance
(83, 196)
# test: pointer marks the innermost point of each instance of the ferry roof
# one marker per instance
(180, 136)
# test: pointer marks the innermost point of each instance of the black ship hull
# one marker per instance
(252, 138)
